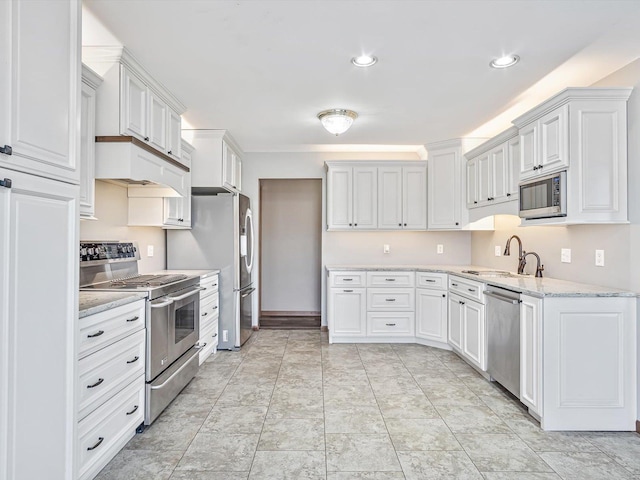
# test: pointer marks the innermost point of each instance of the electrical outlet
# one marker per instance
(565, 255)
(386, 248)
(225, 335)
(149, 250)
(440, 248)
(599, 258)
(498, 250)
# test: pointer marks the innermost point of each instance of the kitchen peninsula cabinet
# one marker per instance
(39, 177)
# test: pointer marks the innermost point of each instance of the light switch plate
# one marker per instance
(149, 250)
(386, 248)
(565, 255)
(498, 250)
(599, 258)
(440, 248)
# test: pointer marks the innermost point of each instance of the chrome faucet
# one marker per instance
(539, 268)
(521, 261)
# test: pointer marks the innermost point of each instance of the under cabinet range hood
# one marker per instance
(130, 162)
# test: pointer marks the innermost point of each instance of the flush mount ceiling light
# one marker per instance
(504, 62)
(364, 60)
(337, 120)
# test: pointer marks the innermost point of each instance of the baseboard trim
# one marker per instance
(638, 426)
(255, 328)
(276, 313)
(324, 328)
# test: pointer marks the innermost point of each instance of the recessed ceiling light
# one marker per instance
(364, 60)
(504, 62)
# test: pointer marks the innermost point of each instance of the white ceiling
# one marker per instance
(263, 69)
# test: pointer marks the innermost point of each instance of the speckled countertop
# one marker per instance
(96, 302)
(199, 273)
(527, 284)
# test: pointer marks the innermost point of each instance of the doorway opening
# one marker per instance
(290, 253)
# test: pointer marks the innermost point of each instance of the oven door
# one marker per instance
(184, 326)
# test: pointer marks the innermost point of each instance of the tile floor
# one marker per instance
(290, 406)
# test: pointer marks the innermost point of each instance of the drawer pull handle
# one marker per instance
(461, 303)
(347, 279)
(429, 280)
(215, 307)
(215, 335)
(135, 409)
(100, 440)
(348, 291)
(390, 279)
(214, 285)
(133, 319)
(454, 284)
(471, 289)
(135, 359)
(100, 380)
(197, 345)
(97, 334)
(390, 324)
(390, 300)
(205, 314)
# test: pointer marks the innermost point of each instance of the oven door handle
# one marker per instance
(162, 304)
(185, 295)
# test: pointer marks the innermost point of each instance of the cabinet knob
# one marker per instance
(540, 167)
(405, 224)
(170, 152)
(461, 303)
(475, 202)
(355, 224)
(508, 194)
(444, 295)
(351, 225)
(7, 150)
(146, 139)
(535, 167)
(399, 224)
(457, 223)
(6, 183)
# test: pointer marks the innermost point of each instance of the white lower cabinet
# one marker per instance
(531, 353)
(347, 312)
(391, 324)
(111, 386)
(209, 314)
(431, 307)
(455, 322)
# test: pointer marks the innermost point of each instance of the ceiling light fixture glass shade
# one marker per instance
(364, 60)
(337, 120)
(504, 62)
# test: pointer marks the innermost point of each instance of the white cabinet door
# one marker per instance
(473, 336)
(528, 136)
(472, 183)
(531, 353)
(40, 82)
(347, 312)
(431, 315)
(389, 198)
(365, 197)
(513, 147)
(237, 172)
(339, 198)
(445, 203)
(174, 134)
(87, 151)
(38, 342)
(485, 184)
(499, 173)
(554, 140)
(158, 118)
(230, 168)
(133, 105)
(414, 198)
(455, 312)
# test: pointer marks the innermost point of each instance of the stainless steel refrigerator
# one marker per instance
(221, 237)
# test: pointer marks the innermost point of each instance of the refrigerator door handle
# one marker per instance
(247, 293)
(248, 223)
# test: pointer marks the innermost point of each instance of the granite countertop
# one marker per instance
(199, 273)
(96, 302)
(527, 284)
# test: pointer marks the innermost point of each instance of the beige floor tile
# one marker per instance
(406, 406)
(585, 466)
(354, 419)
(421, 434)
(140, 465)
(235, 418)
(221, 453)
(438, 465)
(471, 419)
(288, 466)
(292, 434)
(360, 453)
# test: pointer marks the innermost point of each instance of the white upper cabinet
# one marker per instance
(90, 82)
(472, 183)
(351, 197)
(216, 163)
(377, 195)
(131, 102)
(447, 186)
(40, 85)
(582, 130)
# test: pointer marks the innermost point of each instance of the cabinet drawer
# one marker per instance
(99, 330)
(391, 279)
(433, 280)
(348, 279)
(209, 309)
(209, 286)
(467, 288)
(107, 429)
(387, 299)
(208, 342)
(104, 373)
(391, 324)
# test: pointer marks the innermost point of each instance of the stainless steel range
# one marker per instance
(172, 316)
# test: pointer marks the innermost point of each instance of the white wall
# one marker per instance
(291, 244)
(111, 211)
(351, 247)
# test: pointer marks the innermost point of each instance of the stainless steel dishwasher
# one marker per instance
(503, 337)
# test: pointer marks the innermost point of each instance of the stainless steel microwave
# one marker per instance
(544, 197)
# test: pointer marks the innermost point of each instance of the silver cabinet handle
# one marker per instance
(348, 291)
(100, 440)
(390, 300)
(429, 280)
(135, 409)
(347, 279)
(390, 324)
(390, 279)
(97, 334)
(135, 359)
(100, 380)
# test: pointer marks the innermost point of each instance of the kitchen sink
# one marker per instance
(490, 273)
